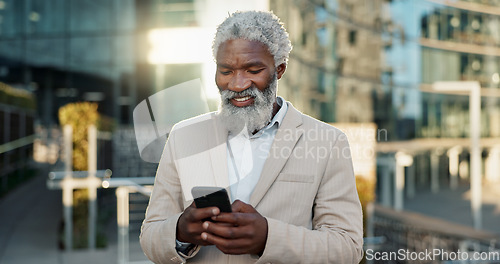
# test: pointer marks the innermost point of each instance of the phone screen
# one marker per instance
(218, 197)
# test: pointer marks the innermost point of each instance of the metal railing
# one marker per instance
(92, 180)
(125, 186)
(69, 180)
(16, 139)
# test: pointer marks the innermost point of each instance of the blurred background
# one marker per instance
(413, 83)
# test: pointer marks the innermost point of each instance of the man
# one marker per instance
(290, 176)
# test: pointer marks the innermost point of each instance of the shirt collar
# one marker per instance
(277, 119)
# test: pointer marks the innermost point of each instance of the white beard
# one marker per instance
(253, 117)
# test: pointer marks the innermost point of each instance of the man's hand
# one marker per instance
(244, 231)
(189, 225)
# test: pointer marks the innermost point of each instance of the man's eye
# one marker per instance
(255, 72)
(225, 72)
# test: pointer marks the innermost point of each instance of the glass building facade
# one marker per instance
(68, 51)
(376, 61)
(446, 41)
(336, 65)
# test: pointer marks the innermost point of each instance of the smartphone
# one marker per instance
(211, 196)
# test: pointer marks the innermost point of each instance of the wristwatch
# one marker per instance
(185, 248)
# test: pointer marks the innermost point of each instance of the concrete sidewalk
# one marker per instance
(30, 217)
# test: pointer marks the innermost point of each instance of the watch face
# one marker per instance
(185, 248)
(183, 245)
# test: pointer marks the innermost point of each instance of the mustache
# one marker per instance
(227, 95)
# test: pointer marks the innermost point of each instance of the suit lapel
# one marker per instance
(218, 153)
(281, 149)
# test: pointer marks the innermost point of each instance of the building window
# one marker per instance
(352, 37)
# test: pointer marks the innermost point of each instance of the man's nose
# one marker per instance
(239, 82)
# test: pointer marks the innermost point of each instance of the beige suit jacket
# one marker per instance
(306, 192)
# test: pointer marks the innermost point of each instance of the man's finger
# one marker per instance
(202, 242)
(239, 206)
(198, 214)
(228, 246)
(236, 219)
(229, 232)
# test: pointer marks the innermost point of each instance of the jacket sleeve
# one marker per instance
(158, 231)
(337, 234)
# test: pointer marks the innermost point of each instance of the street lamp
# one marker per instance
(474, 90)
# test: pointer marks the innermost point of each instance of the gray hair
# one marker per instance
(264, 27)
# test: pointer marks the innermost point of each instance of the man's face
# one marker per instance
(247, 80)
(242, 64)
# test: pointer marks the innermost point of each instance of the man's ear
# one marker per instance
(280, 70)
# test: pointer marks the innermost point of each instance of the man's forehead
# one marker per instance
(248, 64)
(250, 51)
(244, 43)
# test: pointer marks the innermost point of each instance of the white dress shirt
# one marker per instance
(246, 155)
